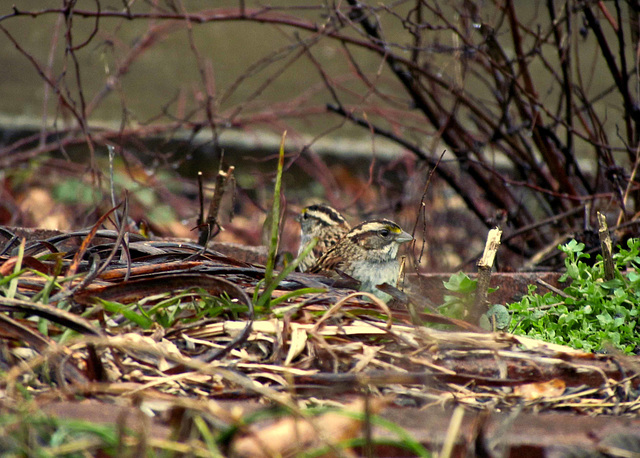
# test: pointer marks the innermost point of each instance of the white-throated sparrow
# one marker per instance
(368, 253)
(325, 223)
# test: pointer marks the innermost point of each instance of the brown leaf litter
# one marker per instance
(332, 348)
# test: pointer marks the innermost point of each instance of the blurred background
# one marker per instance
(448, 118)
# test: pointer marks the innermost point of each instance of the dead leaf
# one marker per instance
(532, 391)
(291, 436)
(298, 343)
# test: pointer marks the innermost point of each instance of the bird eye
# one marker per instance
(384, 233)
(305, 215)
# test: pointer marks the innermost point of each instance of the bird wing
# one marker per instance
(327, 265)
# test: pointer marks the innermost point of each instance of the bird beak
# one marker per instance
(404, 237)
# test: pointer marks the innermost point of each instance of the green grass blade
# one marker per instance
(296, 293)
(275, 216)
(265, 297)
(114, 307)
(13, 284)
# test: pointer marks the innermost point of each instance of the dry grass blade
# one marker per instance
(323, 346)
(61, 317)
(11, 329)
(73, 268)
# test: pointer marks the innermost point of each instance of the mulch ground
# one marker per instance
(452, 386)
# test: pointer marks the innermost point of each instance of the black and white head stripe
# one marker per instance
(376, 226)
(324, 214)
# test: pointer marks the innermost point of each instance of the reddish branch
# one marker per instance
(515, 122)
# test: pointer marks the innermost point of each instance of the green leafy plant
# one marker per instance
(590, 313)
(462, 290)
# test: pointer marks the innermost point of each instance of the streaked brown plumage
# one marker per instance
(323, 222)
(368, 253)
